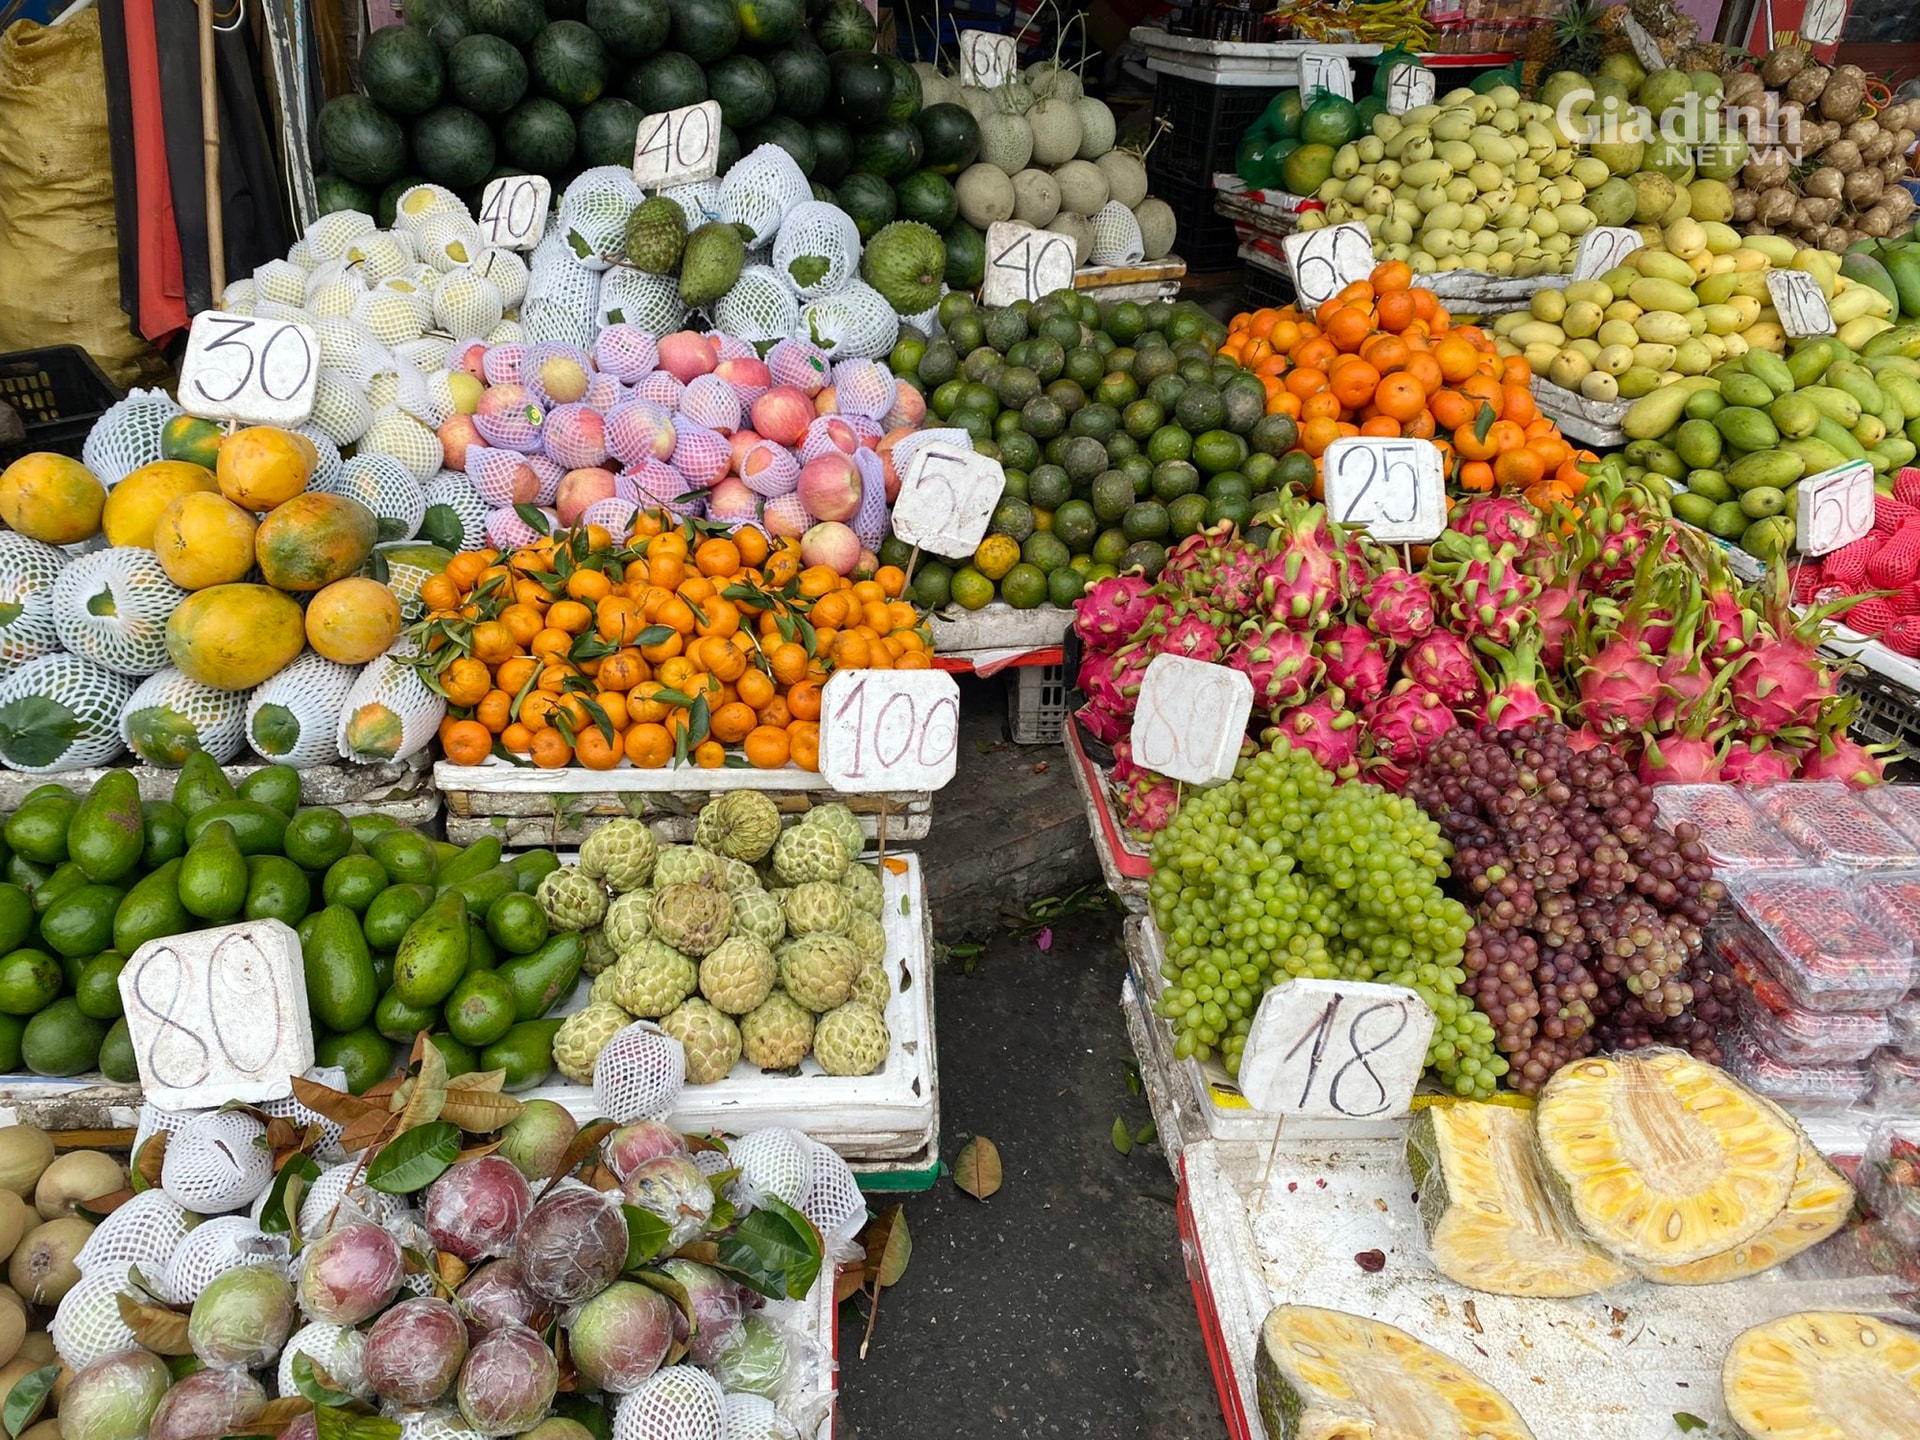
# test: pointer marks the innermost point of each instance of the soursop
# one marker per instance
(906, 261)
(684, 865)
(761, 916)
(711, 1040)
(736, 876)
(844, 823)
(818, 970)
(628, 921)
(738, 974)
(851, 1039)
(691, 918)
(656, 235)
(582, 1036)
(869, 938)
(818, 905)
(650, 980)
(777, 1033)
(809, 851)
(873, 987)
(740, 824)
(571, 900)
(621, 852)
(714, 257)
(864, 890)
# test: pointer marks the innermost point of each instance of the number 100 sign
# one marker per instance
(889, 730)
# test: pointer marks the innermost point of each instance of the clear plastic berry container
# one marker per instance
(1898, 805)
(1807, 930)
(1903, 1022)
(1807, 1037)
(1895, 1080)
(1821, 1087)
(1835, 826)
(1893, 899)
(1889, 1178)
(1737, 835)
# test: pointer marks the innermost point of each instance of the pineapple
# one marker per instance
(1328, 1375)
(1611, 25)
(1575, 38)
(1490, 1223)
(1663, 1158)
(1824, 1375)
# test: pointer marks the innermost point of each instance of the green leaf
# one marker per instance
(332, 1423)
(601, 720)
(1146, 1134)
(536, 520)
(653, 635)
(672, 697)
(976, 1169)
(1484, 422)
(1122, 1136)
(283, 1200)
(314, 1383)
(1688, 1423)
(775, 1250)
(698, 719)
(11, 611)
(27, 1398)
(647, 1236)
(416, 1159)
(37, 731)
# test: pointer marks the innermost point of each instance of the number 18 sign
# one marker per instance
(1344, 1049)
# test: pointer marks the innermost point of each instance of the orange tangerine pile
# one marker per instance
(1383, 357)
(683, 645)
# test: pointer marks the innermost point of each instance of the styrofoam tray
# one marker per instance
(1125, 872)
(998, 626)
(402, 789)
(1594, 422)
(891, 1114)
(1171, 1102)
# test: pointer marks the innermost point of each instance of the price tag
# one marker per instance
(1324, 70)
(513, 211)
(889, 730)
(1190, 719)
(258, 372)
(1645, 47)
(1604, 248)
(1409, 87)
(1326, 261)
(677, 147)
(1802, 306)
(946, 498)
(1024, 263)
(986, 59)
(1340, 1048)
(1833, 508)
(1820, 22)
(219, 1015)
(1394, 488)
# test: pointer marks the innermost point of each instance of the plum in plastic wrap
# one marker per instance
(415, 1350)
(508, 1381)
(535, 1141)
(621, 1336)
(717, 1305)
(242, 1318)
(573, 1244)
(494, 1295)
(350, 1273)
(114, 1398)
(631, 1146)
(675, 1190)
(474, 1210)
(304, 1428)
(208, 1402)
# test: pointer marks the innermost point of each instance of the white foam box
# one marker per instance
(403, 790)
(997, 626)
(1592, 422)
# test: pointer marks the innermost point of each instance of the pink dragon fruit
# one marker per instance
(1499, 519)
(1103, 725)
(1229, 576)
(1759, 763)
(1123, 767)
(1785, 683)
(1443, 663)
(1680, 760)
(1619, 686)
(1556, 612)
(1150, 801)
(1619, 531)
(1727, 622)
(1403, 724)
(1399, 605)
(1487, 593)
(1834, 756)
(1111, 684)
(1184, 559)
(1326, 730)
(1279, 661)
(1300, 580)
(1353, 661)
(1523, 692)
(1186, 629)
(1112, 611)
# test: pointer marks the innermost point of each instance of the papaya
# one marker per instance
(108, 832)
(353, 620)
(189, 438)
(51, 498)
(262, 467)
(136, 503)
(233, 637)
(313, 540)
(203, 540)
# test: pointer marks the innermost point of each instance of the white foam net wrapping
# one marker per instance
(434, 1424)
(340, 408)
(507, 332)
(381, 255)
(398, 688)
(496, 473)
(414, 392)
(639, 1074)
(680, 1402)
(711, 1162)
(614, 515)
(863, 388)
(710, 401)
(855, 321)
(28, 570)
(467, 303)
(129, 586)
(88, 1325)
(593, 214)
(333, 290)
(387, 487)
(758, 307)
(455, 492)
(348, 350)
(825, 435)
(532, 367)
(761, 189)
(660, 388)
(392, 315)
(448, 239)
(299, 709)
(426, 354)
(772, 1161)
(508, 271)
(94, 694)
(575, 436)
(820, 242)
(216, 1163)
(1116, 236)
(870, 521)
(634, 297)
(274, 310)
(237, 298)
(699, 201)
(144, 1232)
(329, 1202)
(633, 429)
(216, 717)
(549, 475)
(329, 236)
(770, 470)
(699, 454)
(339, 1350)
(280, 281)
(292, 1108)
(833, 1201)
(799, 363)
(507, 531)
(154, 1121)
(626, 352)
(744, 1416)
(214, 1247)
(910, 445)
(501, 363)
(732, 347)
(418, 202)
(127, 435)
(785, 515)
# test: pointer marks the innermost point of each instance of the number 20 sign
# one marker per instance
(889, 730)
(1344, 1049)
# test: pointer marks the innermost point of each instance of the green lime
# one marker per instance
(1138, 469)
(1015, 385)
(1018, 450)
(1124, 321)
(1152, 362)
(1146, 520)
(1187, 515)
(1117, 389)
(1295, 471)
(1077, 526)
(1049, 487)
(932, 584)
(1006, 327)
(353, 881)
(1229, 485)
(976, 423)
(1259, 468)
(1097, 571)
(1186, 325)
(896, 552)
(1062, 330)
(967, 334)
(517, 923)
(906, 355)
(1044, 417)
(1006, 423)
(971, 589)
(1197, 372)
(1096, 420)
(1047, 358)
(1044, 551)
(1013, 518)
(1110, 546)
(1083, 457)
(1085, 366)
(1067, 395)
(1273, 434)
(981, 364)
(1113, 497)
(1169, 442)
(1121, 360)
(1200, 408)
(1024, 587)
(1218, 450)
(953, 305)
(1142, 417)
(976, 396)
(1147, 556)
(946, 397)
(985, 444)
(1104, 346)
(1155, 313)
(365, 1054)
(1065, 585)
(1167, 390)
(1016, 486)
(1121, 446)
(940, 363)
(1174, 478)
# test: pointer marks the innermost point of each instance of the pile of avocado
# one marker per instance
(399, 933)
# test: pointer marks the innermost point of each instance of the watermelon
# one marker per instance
(928, 198)
(402, 71)
(569, 64)
(949, 138)
(667, 81)
(517, 21)
(966, 256)
(802, 79)
(630, 29)
(566, 10)
(846, 25)
(453, 146)
(862, 87)
(333, 192)
(744, 88)
(822, 193)
(833, 144)
(486, 74)
(729, 150)
(888, 148)
(389, 201)
(360, 141)
(442, 21)
(905, 101)
(869, 200)
(704, 29)
(606, 130)
(539, 136)
(770, 22)
(790, 135)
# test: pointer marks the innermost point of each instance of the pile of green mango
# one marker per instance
(399, 933)
(1741, 437)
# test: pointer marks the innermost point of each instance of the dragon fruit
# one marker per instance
(1443, 663)
(1619, 532)
(1216, 565)
(1785, 683)
(1112, 611)
(1403, 724)
(1619, 686)
(1300, 581)
(1557, 611)
(1186, 629)
(1834, 756)
(1353, 661)
(1679, 760)
(1111, 684)
(1727, 623)
(1522, 691)
(1399, 605)
(1149, 802)
(1759, 763)
(1326, 730)
(1499, 519)
(1487, 593)
(1123, 767)
(1279, 661)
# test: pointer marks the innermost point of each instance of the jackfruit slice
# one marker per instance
(1824, 1375)
(1663, 1158)
(1328, 1375)
(1491, 1225)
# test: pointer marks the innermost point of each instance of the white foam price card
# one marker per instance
(678, 147)
(218, 1015)
(1394, 488)
(1802, 305)
(1409, 87)
(1325, 70)
(1024, 263)
(986, 59)
(1344, 1049)
(1833, 508)
(1326, 261)
(1645, 47)
(1604, 248)
(889, 730)
(258, 372)
(946, 498)
(513, 211)
(1190, 719)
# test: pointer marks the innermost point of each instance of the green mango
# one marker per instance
(213, 875)
(1903, 391)
(1870, 272)
(1747, 390)
(166, 829)
(433, 953)
(151, 909)
(108, 832)
(538, 981)
(1815, 453)
(1794, 415)
(1693, 509)
(1728, 521)
(1768, 539)
(1704, 405)
(257, 829)
(1766, 469)
(525, 1052)
(1747, 428)
(1902, 264)
(1699, 444)
(201, 783)
(274, 785)
(1858, 382)
(1770, 368)
(1810, 359)
(1837, 436)
(1762, 501)
(339, 972)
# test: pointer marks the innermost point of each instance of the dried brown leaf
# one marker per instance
(157, 1328)
(367, 1131)
(452, 1268)
(976, 1169)
(102, 1206)
(279, 1414)
(153, 1155)
(336, 1105)
(484, 1081)
(848, 1283)
(889, 1247)
(584, 1144)
(478, 1112)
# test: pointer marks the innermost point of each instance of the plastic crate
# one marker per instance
(1205, 123)
(59, 393)
(1261, 287)
(1889, 714)
(1205, 239)
(1037, 704)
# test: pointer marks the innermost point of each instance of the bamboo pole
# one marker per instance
(210, 155)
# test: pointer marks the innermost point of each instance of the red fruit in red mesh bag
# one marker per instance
(1906, 486)
(1847, 566)
(1903, 635)
(1870, 616)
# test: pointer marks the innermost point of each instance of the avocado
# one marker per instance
(525, 1052)
(257, 829)
(37, 831)
(275, 785)
(392, 911)
(108, 832)
(277, 889)
(80, 923)
(213, 875)
(340, 990)
(62, 1041)
(151, 909)
(539, 980)
(201, 783)
(166, 829)
(406, 855)
(481, 1008)
(364, 1054)
(434, 952)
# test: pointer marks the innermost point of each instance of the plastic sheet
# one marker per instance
(1807, 931)
(672, 1189)
(508, 1381)
(572, 1245)
(1836, 827)
(413, 1352)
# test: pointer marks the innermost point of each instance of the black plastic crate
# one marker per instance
(1205, 124)
(1263, 287)
(59, 393)
(1202, 237)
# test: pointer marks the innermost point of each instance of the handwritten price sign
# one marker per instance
(889, 730)
(513, 211)
(1324, 70)
(1833, 508)
(1802, 306)
(678, 147)
(1603, 248)
(1326, 261)
(1394, 488)
(986, 59)
(1336, 1048)
(1409, 87)
(947, 495)
(1024, 263)
(219, 1015)
(1190, 719)
(258, 372)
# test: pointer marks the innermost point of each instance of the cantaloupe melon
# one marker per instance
(1036, 197)
(1055, 124)
(986, 195)
(1006, 142)
(1075, 228)
(1126, 177)
(1156, 227)
(1083, 187)
(1096, 127)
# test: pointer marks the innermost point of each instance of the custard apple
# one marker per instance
(711, 1039)
(628, 922)
(651, 979)
(600, 952)
(869, 938)
(818, 970)
(760, 915)
(851, 1039)
(740, 824)
(737, 976)
(777, 1033)
(808, 852)
(736, 876)
(572, 900)
(601, 991)
(816, 906)
(864, 890)
(621, 853)
(691, 918)
(842, 822)
(685, 865)
(873, 987)
(582, 1036)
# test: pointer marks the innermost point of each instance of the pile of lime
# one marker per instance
(1121, 430)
